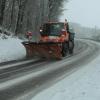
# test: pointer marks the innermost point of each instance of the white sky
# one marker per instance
(84, 12)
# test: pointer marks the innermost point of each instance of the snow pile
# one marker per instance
(11, 49)
(5, 34)
(81, 85)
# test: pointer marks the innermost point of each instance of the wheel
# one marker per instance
(64, 49)
(71, 47)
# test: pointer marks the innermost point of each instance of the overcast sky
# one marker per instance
(84, 12)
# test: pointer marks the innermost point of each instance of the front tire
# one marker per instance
(71, 47)
(64, 49)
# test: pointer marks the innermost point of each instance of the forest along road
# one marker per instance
(32, 79)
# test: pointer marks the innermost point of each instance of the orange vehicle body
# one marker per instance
(54, 36)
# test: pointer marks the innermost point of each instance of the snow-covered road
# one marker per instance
(63, 72)
(68, 79)
(83, 84)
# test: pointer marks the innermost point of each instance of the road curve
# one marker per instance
(29, 84)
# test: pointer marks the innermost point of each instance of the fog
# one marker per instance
(84, 12)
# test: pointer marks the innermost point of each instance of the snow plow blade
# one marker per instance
(47, 50)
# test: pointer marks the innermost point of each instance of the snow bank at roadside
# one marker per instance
(83, 84)
(11, 49)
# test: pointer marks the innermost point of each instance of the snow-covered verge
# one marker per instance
(83, 84)
(11, 49)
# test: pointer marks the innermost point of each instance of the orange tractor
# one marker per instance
(55, 42)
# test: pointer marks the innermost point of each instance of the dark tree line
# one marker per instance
(19, 16)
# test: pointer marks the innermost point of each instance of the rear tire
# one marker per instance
(64, 49)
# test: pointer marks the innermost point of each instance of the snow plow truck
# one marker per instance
(56, 41)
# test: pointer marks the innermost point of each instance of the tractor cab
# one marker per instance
(52, 29)
(56, 31)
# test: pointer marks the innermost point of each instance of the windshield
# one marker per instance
(53, 29)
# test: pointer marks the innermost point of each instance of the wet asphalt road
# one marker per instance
(23, 81)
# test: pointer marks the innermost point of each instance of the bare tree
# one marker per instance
(19, 16)
(2, 7)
